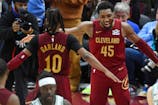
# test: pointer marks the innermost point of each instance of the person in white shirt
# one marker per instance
(152, 94)
(47, 88)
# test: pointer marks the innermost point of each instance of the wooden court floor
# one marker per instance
(79, 99)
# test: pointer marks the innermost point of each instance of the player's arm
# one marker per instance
(149, 96)
(24, 54)
(141, 44)
(13, 100)
(82, 28)
(92, 60)
(128, 32)
(18, 59)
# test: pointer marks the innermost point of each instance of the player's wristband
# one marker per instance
(16, 61)
(147, 50)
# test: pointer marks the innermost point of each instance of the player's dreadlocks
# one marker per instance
(54, 20)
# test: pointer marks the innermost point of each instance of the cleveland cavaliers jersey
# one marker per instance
(53, 55)
(4, 96)
(108, 45)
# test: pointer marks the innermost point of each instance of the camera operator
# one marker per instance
(17, 27)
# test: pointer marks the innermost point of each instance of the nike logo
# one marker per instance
(97, 32)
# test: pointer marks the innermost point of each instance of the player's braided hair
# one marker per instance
(54, 20)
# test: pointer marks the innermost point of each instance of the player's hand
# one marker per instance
(113, 77)
(15, 26)
(27, 39)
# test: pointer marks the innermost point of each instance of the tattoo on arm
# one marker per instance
(85, 56)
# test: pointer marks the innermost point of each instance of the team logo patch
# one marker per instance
(98, 32)
(22, 56)
(52, 38)
(116, 32)
(125, 84)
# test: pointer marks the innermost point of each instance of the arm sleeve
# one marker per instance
(33, 44)
(147, 50)
(21, 57)
(73, 43)
(17, 61)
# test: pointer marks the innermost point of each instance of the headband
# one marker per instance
(46, 81)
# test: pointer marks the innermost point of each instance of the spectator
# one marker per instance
(134, 9)
(7, 97)
(88, 10)
(152, 94)
(17, 27)
(48, 4)
(38, 10)
(122, 12)
(152, 90)
(133, 63)
(3, 7)
(47, 91)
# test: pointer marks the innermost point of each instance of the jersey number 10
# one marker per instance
(56, 64)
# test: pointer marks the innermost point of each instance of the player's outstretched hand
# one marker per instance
(113, 77)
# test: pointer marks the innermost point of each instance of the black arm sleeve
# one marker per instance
(73, 43)
(33, 45)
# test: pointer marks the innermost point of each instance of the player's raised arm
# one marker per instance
(82, 28)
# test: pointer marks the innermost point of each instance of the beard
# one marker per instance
(47, 100)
